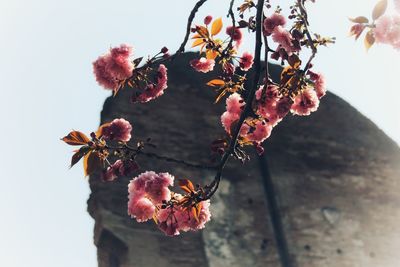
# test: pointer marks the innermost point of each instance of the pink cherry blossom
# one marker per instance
(319, 83)
(167, 221)
(234, 103)
(283, 106)
(155, 186)
(142, 209)
(203, 65)
(118, 129)
(236, 35)
(271, 94)
(187, 221)
(153, 91)
(120, 168)
(103, 76)
(305, 103)
(113, 67)
(208, 19)
(156, 191)
(227, 119)
(387, 30)
(284, 38)
(246, 61)
(272, 22)
(112, 172)
(267, 104)
(261, 132)
(397, 5)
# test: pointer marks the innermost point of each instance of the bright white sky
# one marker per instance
(47, 89)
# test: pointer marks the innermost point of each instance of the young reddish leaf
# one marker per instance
(197, 42)
(220, 95)
(76, 138)
(79, 154)
(356, 30)
(286, 74)
(379, 9)
(369, 40)
(137, 61)
(155, 217)
(216, 26)
(211, 54)
(202, 31)
(99, 132)
(91, 162)
(216, 82)
(196, 36)
(198, 209)
(195, 213)
(294, 61)
(119, 87)
(360, 19)
(186, 185)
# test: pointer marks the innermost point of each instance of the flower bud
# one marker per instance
(207, 20)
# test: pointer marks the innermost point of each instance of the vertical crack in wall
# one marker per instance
(275, 215)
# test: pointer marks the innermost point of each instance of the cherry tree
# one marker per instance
(253, 108)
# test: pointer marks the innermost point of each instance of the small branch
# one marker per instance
(304, 18)
(248, 107)
(168, 159)
(139, 151)
(266, 51)
(232, 15)
(189, 26)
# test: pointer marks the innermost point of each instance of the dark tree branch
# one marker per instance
(249, 100)
(139, 151)
(168, 159)
(266, 51)
(304, 19)
(189, 26)
(232, 15)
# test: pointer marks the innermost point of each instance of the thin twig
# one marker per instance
(139, 151)
(188, 27)
(232, 15)
(168, 159)
(303, 16)
(266, 50)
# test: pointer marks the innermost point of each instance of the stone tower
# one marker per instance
(325, 193)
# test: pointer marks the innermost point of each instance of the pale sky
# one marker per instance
(47, 88)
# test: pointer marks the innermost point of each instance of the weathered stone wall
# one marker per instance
(326, 194)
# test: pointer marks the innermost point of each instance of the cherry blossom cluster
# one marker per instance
(114, 67)
(272, 107)
(117, 69)
(216, 50)
(254, 104)
(387, 30)
(384, 28)
(300, 89)
(151, 198)
(97, 149)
